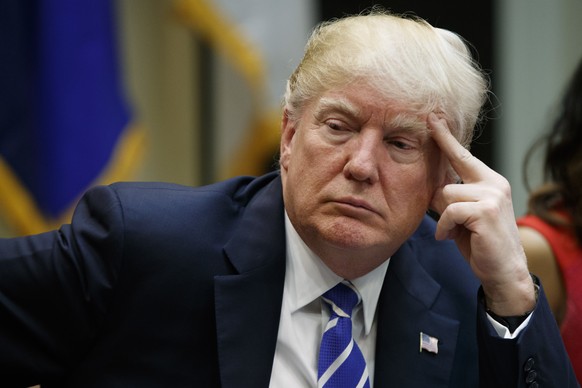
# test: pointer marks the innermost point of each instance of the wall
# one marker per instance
(538, 43)
(160, 62)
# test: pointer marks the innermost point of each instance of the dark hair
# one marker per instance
(562, 169)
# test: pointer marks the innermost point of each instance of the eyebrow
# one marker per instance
(327, 104)
(407, 122)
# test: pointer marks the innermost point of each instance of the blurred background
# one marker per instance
(189, 91)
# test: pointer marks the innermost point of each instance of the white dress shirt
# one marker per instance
(304, 315)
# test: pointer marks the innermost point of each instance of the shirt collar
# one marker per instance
(307, 277)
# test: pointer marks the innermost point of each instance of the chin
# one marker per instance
(346, 235)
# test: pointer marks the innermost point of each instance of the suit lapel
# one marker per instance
(248, 304)
(405, 310)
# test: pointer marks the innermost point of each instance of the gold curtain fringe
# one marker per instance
(20, 209)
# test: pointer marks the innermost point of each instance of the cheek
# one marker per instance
(411, 187)
(311, 158)
(298, 165)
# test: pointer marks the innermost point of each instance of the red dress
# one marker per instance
(569, 258)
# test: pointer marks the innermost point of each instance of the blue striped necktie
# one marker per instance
(341, 363)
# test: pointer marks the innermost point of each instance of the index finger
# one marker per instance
(468, 167)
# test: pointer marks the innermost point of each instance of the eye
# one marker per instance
(336, 125)
(336, 131)
(405, 148)
(401, 144)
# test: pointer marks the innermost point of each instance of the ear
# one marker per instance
(287, 134)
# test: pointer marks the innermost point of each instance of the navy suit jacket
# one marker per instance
(159, 285)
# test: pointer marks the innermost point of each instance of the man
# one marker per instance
(157, 285)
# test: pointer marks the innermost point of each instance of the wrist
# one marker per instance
(518, 301)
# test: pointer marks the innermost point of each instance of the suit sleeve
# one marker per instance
(54, 291)
(537, 356)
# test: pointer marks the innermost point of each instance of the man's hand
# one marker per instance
(478, 215)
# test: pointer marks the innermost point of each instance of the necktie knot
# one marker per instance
(341, 300)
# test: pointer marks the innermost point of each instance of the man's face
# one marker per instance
(358, 174)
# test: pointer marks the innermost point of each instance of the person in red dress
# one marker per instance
(551, 231)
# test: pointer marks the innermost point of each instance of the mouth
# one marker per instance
(356, 205)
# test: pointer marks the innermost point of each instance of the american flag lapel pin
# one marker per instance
(428, 343)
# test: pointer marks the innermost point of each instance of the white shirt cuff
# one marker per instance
(503, 331)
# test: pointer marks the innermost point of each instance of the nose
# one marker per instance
(362, 163)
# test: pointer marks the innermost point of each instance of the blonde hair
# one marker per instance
(428, 69)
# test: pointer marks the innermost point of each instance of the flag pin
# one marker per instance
(428, 343)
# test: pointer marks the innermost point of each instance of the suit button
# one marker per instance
(531, 376)
(529, 364)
